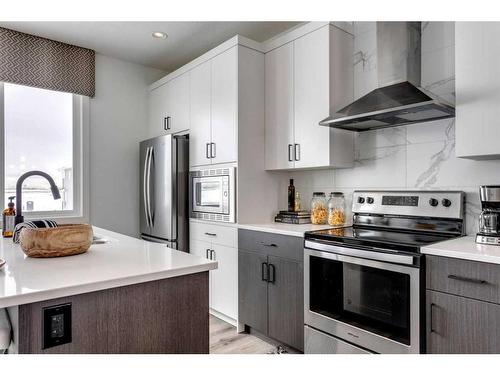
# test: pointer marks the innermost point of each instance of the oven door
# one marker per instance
(371, 303)
(210, 195)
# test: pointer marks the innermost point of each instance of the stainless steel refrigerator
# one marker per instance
(164, 190)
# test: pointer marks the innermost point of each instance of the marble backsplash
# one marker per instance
(413, 157)
(418, 156)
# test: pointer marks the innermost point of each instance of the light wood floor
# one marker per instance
(225, 340)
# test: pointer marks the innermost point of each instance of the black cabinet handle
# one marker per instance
(210, 234)
(208, 256)
(207, 153)
(166, 123)
(297, 151)
(431, 323)
(467, 279)
(272, 273)
(264, 271)
(269, 244)
(212, 150)
(212, 254)
(290, 157)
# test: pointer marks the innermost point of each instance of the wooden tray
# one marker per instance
(66, 239)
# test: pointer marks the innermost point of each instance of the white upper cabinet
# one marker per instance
(214, 110)
(279, 108)
(311, 93)
(169, 107)
(178, 104)
(225, 106)
(200, 130)
(305, 80)
(157, 111)
(477, 71)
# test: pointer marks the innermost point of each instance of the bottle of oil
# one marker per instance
(9, 215)
(291, 196)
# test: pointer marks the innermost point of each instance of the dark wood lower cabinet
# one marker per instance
(252, 290)
(460, 325)
(164, 316)
(286, 302)
(271, 286)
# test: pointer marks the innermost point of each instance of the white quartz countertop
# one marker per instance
(464, 248)
(297, 230)
(123, 260)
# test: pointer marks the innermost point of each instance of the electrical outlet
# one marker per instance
(56, 325)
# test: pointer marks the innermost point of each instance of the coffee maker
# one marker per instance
(489, 219)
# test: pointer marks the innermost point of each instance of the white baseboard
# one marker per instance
(223, 317)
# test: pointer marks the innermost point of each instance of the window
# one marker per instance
(42, 131)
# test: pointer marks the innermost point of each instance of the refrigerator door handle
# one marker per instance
(145, 190)
(151, 213)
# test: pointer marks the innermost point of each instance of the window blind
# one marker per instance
(39, 62)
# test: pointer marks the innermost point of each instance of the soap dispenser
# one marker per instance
(9, 215)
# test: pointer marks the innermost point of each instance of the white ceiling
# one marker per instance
(132, 41)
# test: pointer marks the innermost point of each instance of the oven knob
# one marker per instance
(446, 202)
(369, 200)
(433, 202)
(361, 200)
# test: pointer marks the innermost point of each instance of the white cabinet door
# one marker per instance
(199, 248)
(177, 111)
(311, 97)
(202, 249)
(225, 106)
(477, 69)
(157, 111)
(200, 97)
(225, 281)
(279, 108)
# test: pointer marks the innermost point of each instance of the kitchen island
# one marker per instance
(122, 296)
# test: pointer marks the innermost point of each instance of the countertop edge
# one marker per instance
(102, 285)
(465, 248)
(272, 230)
(460, 255)
(297, 231)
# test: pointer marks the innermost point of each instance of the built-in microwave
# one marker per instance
(213, 194)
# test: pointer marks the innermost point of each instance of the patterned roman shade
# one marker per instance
(34, 61)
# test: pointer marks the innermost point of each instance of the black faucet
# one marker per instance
(19, 187)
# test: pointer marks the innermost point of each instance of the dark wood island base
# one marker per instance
(163, 316)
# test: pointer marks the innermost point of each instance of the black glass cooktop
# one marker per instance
(408, 241)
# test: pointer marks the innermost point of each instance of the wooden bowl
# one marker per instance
(64, 240)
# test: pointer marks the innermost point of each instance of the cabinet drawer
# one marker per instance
(217, 234)
(317, 342)
(464, 278)
(279, 245)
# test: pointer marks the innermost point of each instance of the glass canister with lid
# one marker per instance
(336, 209)
(319, 208)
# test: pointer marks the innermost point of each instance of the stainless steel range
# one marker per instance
(364, 284)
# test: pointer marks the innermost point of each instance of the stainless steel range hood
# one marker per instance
(399, 99)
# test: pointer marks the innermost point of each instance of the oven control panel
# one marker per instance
(444, 204)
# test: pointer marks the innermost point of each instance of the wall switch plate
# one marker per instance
(56, 325)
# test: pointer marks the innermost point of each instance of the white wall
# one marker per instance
(118, 112)
(419, 156)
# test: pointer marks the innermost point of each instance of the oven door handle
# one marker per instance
(359, 253)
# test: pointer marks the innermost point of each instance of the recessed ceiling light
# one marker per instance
(159, 35)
